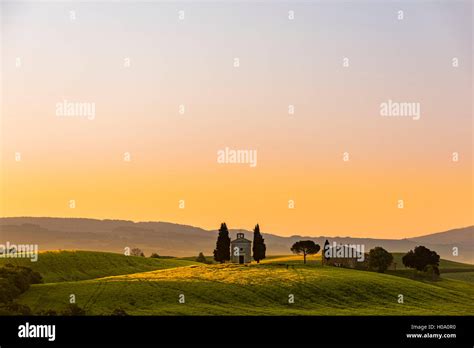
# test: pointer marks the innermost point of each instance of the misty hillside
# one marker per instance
(182, 240)
(459, 235)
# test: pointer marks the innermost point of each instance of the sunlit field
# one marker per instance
(156, 287)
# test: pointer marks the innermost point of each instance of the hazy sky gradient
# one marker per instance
(283, 62)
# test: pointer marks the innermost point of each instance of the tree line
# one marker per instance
(421, 258)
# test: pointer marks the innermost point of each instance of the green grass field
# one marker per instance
(464, 276)
(60, 266)
(445, 266)
(229, 289)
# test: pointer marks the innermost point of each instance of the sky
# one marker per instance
(140, 64)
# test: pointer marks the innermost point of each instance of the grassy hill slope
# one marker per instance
(60, 266)
(254, 290)
(444, 265)
(464, 276)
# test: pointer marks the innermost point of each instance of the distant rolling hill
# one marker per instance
(459, 235)
(182, 240)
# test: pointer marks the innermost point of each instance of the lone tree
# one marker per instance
(120, 312)
(421, 258)
(380, 259)
(201, 258)
(222, 250)
(258, 247)
(305, 247)
(137, 252)
(73, 310)
(326, 247)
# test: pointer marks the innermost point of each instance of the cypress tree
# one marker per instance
(222, 251)
(258, 247)
(325, 248)
(201, 258)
